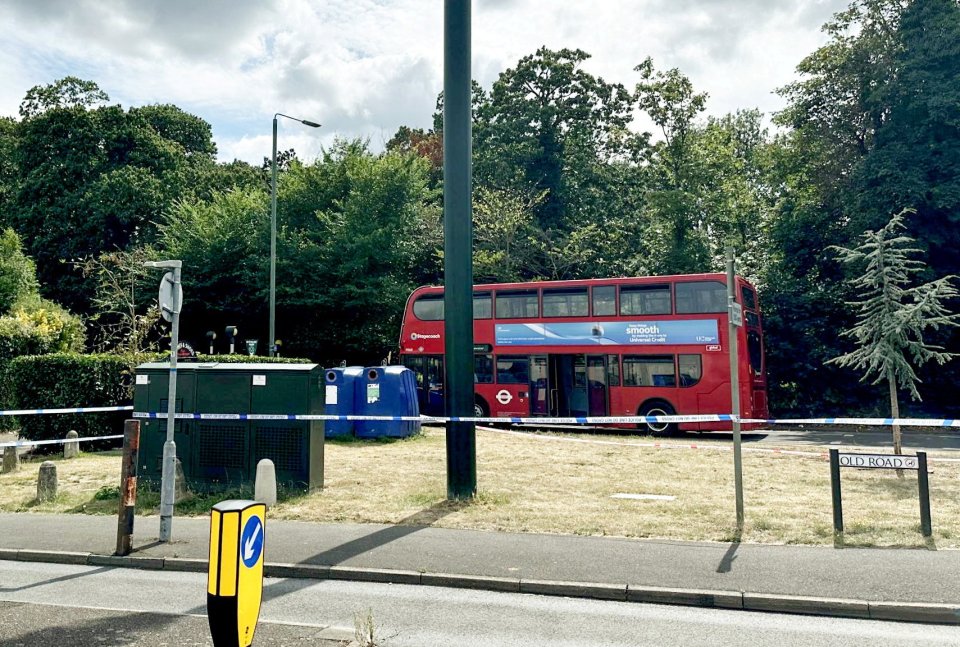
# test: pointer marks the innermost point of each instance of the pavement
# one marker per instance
(915, 585)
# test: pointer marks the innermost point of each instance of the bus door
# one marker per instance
(539, 386)
(568, 378)
(597, 385)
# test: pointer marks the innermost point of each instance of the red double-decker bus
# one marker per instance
(644, 346)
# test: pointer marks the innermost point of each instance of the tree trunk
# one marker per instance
(895, 413)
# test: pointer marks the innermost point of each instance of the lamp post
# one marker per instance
(273, 229)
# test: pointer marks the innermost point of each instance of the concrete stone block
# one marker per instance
(47, 481)
(71, 448)
(11, 460)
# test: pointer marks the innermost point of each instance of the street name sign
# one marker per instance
(880, 461)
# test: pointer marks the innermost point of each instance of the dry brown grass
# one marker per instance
(79, 482)
(563, 484)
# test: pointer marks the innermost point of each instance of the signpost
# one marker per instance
(235, 571)
(171, 301)
(880, 461)
(735, 312)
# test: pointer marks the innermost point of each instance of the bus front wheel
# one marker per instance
(658, 408)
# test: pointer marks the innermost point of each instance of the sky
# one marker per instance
(363, 68)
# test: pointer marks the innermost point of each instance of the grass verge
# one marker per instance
(563, 483)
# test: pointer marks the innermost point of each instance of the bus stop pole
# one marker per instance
(734, 385)
(458, 251)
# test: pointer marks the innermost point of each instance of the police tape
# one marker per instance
(866, 422)
(59, 441)
(567, 420)
(572, 420)
(37, 412)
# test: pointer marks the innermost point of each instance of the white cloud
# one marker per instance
(365, 67)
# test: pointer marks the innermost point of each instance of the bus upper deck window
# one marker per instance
(604, 300)
(517, 304)
(565, 302)
(749, 297)
(429, 307)
(699, 297)
(645, 299)
(482, 305)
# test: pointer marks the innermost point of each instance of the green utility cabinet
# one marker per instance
(224, 453)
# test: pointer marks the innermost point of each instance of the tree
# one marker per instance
(833, 114)
(224, 245)
(892, 317)
(507, 241)
(538, 116)
(364, 230)
(18, 275)
(678, 221)
(96, 179)
(8, 169)
(125, 308)
(68, 92)
(915, 160)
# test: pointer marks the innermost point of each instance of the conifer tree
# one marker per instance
(892, 316)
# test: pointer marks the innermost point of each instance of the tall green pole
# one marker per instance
(271, 340)
(458, 250)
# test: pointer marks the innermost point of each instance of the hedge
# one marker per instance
(65, 380)
(7, 423)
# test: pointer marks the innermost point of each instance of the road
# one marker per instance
(42, 604)
(945, 440)
(934, 439)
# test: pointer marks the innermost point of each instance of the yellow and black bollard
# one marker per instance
(235, 576)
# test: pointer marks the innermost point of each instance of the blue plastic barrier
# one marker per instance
(340, 399)
(386, 391)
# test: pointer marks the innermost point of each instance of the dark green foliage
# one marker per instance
(224, 245)
(18, 275)
(542, 121)
(344, 274)
(95, 179)
(915, 161)
(66, 380)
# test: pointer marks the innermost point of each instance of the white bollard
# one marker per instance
(265, 487)
(71, 448)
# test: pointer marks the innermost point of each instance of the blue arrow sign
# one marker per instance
(251, 542)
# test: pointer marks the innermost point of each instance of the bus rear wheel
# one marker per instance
(658, 408)
(480, 409)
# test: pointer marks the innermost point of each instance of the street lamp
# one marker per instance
(272, 341)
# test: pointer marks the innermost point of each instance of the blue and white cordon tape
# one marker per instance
(439, 419)
(571, 420)
(37, 412)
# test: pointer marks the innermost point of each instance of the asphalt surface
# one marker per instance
(41, 625)
(903, 584)
(408, 616)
